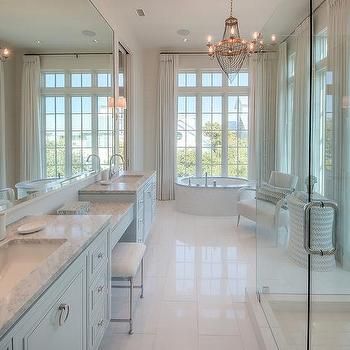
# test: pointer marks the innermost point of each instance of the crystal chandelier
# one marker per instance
(232, 51)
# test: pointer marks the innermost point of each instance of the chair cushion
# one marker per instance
(271, 193)
(265, 210)
(126, 259)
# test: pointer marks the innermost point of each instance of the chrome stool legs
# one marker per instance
(131, 287)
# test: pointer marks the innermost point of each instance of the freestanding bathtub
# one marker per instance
(211, 196)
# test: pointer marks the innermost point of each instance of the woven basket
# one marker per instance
(321, 220)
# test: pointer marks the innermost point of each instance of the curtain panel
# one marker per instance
(301, 105)
(31, 161)
(262, 116)
(2, 128)
(339, 176)
(282, 138)
(166, 128)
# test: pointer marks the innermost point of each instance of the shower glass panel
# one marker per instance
(303, 220)
(330, 166)
(282, 78)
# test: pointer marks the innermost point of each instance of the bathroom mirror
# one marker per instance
(56, 88)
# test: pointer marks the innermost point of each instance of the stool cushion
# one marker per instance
(126, 259)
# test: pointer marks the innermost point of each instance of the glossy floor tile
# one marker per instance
(196, 272)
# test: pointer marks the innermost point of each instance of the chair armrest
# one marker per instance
(279, 205)
(245, 189)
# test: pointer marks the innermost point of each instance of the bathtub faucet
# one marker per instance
(206, 179)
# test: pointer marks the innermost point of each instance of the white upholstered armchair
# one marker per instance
(271, 215)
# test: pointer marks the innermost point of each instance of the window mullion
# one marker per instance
(68, 134)
(199, 168)
(224, 151)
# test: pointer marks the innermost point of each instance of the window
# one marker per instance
(186, 135)
(212, 79)
(240, 79)
(76, 120)
(187, 79)
(212, 125)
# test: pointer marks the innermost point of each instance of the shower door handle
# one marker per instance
(307, 230)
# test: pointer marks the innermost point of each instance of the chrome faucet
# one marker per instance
(111, 170)
(206, 179)
(10, 193)
(98, 160)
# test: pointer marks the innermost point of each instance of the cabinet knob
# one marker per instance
(100, 255)
(64, 313)
(100, 289)
(100, 323)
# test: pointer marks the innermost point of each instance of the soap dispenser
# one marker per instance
(2, 226)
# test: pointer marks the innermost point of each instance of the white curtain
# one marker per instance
(262, 116)
(282, 137)
(166, 128)
(301, 104)
(339, 65)
(2, 128)
(30, 166)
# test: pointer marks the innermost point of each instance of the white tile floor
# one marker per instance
(196, 272)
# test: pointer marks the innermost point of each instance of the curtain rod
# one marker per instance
(68, 54)
(183, 53)
(313, 12)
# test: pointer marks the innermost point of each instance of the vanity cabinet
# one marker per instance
(144, 200)
(58, 319)
(6, 346)
(73, 313)
(63, 325)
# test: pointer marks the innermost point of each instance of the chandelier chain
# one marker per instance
(231, 9)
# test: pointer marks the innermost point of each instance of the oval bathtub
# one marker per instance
(214, 196)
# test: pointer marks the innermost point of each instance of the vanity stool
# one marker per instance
(126, 261)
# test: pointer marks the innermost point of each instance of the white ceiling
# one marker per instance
(206, 17)
(57, 24)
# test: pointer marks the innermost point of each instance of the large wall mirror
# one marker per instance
(56, 95)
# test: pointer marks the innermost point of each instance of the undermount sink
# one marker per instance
(19, 257)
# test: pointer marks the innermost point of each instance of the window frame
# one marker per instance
(199, 91)
(67, 93)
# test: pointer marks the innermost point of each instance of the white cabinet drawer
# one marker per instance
(63, 326)
(98, 326)
(98, 292)
(7, 346)
(98, 254)
(140, 201)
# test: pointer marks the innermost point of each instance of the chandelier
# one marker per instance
(232, 51)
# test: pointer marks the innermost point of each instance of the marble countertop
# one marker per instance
(115, 209)
(76, 231)
(126, 182)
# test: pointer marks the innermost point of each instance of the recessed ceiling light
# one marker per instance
(185, 40)
(183, 32)
(140, 12)
(95, 41)
(89, 33)
(38, 42)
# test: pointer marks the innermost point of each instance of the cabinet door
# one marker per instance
(148, 215)
(7, 346)
(62, 328)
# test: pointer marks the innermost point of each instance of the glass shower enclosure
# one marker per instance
(303, 234)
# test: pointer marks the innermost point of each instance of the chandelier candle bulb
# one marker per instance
(273, 38)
